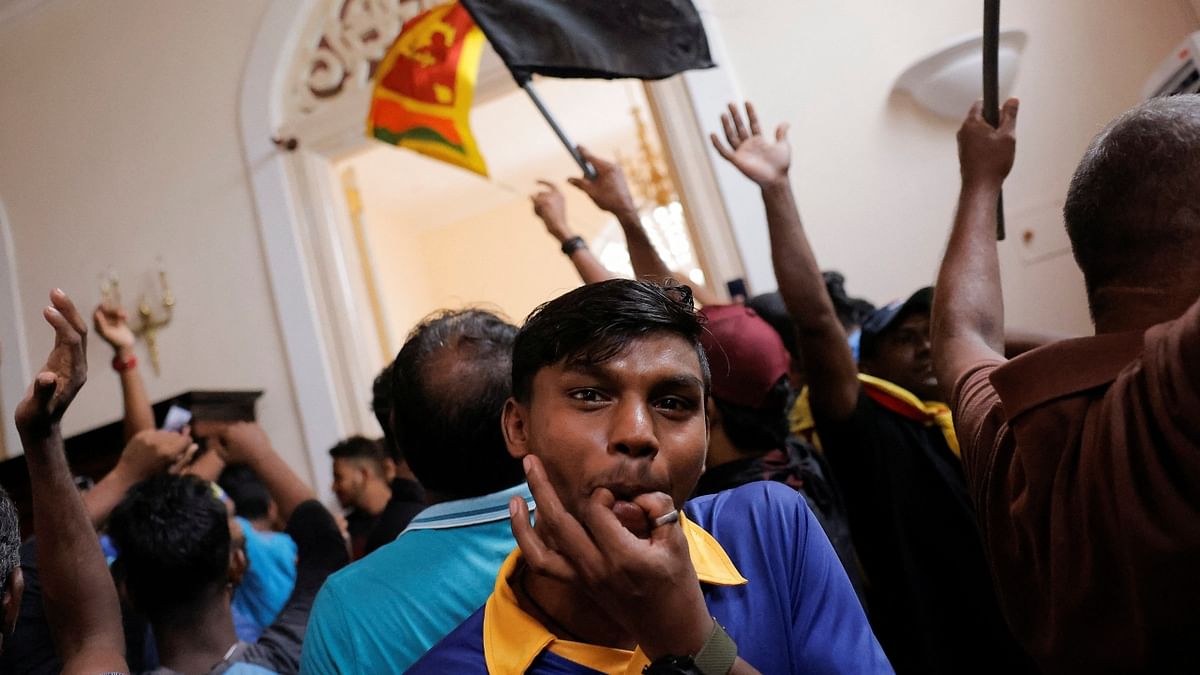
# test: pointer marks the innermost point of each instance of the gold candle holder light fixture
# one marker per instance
(150, 322)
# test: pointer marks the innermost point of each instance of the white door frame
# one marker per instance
(15, 374)
(298, 205)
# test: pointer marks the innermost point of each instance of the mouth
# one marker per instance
(631, 516)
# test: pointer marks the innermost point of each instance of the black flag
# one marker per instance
(643, 39)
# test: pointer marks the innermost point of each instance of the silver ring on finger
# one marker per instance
(667, 518)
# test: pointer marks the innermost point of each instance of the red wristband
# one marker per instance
(121, 365)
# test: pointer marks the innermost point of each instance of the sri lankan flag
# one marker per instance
(424, 87)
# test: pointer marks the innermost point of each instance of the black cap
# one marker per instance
(885, 317)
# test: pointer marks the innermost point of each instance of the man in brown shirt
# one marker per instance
(1082, 456)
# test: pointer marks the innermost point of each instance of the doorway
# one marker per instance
(325, 225)
(438, 237)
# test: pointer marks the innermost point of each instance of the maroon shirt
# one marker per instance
(1083, 458)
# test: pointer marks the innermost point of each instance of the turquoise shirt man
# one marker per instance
(382, 613)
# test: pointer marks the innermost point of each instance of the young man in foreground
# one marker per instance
(610, 385)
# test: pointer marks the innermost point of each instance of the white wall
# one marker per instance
(118, 129)
(877, 178)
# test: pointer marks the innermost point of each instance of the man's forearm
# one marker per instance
(649, 265)
(969, 305)
(78, 593)
(800, 282)
(590, 269)
(139, 416)
(832, 372)
(285, 486)
(100, 501)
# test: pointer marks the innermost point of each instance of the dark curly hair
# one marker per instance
(596, 322)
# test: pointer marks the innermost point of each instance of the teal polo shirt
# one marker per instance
(382, 613)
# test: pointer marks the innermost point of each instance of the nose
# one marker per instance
(632, 431)
(924, 345)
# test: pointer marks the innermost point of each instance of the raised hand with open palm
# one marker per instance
(761, 159)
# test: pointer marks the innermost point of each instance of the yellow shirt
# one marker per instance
(512, 639)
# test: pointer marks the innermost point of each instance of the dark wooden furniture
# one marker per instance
(94, 453)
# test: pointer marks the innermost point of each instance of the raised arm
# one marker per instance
(147, 454)
(247, 443)
(112, 325)
(550, 206)
(78, 593)
(610, 192)
(832, 373)
(968, 308)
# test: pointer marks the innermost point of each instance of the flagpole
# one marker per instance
(991, 85)
(588, 170)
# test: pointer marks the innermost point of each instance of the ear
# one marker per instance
(514, 421)
(10, 605)
(238, 562)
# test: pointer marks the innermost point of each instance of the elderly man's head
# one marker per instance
(449, 384)
(1133, 208)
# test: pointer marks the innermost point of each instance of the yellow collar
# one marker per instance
(512, 639)
(801, 422)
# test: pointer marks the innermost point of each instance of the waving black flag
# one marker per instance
(643, 39)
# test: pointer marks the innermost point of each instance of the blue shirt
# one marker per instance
(382, 613)
(268, 581)
(797, 614)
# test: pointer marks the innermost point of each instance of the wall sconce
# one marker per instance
(151, 324)
(949, 80)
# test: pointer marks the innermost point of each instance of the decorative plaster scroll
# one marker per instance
(341, 48)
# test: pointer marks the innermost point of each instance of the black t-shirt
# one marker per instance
(802, 467)
(30, 650)
(408, 499)
(930, 596)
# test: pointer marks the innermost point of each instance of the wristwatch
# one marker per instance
(716, 657)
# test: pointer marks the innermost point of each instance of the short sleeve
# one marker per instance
(978, 421)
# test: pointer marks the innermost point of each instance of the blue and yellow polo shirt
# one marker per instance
(769, 576)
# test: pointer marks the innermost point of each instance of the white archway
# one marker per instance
(15, 374)
(306, 80)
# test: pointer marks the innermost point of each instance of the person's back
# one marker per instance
(180, 562)
(450, 381)
(1082, 455)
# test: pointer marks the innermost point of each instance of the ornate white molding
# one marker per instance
(339, 49)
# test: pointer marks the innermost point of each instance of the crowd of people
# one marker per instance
(644, 478)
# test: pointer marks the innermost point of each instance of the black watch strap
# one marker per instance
(573, 244)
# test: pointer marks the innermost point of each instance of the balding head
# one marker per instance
(1133, 208)
(449, 385)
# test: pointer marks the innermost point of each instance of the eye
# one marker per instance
(585, 395)
(675, 404)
